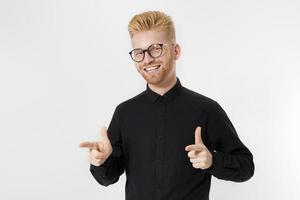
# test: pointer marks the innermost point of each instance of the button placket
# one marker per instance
(160, 145)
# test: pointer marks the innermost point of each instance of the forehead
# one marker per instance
(146, 38)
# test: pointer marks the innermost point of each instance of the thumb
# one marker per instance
(104, 133)
(198, 139)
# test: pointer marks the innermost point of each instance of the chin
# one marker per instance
(154, 81)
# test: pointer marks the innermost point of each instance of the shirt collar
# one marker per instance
(168, 96)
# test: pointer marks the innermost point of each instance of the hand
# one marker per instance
(98, 151)
(199, 155)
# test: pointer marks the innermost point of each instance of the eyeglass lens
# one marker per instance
(154, 50)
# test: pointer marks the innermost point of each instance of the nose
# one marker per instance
(147, 57)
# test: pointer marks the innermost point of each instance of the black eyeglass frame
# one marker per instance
(144, 50)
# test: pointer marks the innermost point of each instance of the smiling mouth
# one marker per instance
(153, 68)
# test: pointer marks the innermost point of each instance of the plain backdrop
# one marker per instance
(64, 66)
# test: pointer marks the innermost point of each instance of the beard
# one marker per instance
(160, 75)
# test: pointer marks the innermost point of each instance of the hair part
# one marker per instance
(152, 20)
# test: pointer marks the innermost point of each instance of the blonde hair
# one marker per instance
(152, 20)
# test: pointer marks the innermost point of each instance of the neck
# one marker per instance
(163, 87)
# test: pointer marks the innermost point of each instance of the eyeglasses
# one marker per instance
(154, 50)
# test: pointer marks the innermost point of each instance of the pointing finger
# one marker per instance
(91, 145)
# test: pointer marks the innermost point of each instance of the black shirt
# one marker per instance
(149, 133)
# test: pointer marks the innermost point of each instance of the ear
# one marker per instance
(177, 51)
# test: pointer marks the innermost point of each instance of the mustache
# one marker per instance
(149, 65)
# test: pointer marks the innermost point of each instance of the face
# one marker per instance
(166, 62)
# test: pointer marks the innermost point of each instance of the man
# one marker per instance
(168, 139)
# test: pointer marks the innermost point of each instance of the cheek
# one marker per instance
(167, 63)
(138, 68)
(163, 60)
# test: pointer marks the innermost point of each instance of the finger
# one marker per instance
(95, 164)
(199, 165)
(195, 147)
(195, 160)
(200, 154)
(98, 155)
(93, 161)
(91, 145)
(191, 154)
(96, 160)
(198, 139)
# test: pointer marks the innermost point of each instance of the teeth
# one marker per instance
(152, 68)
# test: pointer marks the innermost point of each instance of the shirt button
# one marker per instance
(161, 111)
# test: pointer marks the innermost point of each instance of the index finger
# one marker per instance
(91, 145)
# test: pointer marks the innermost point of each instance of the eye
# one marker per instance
(137, 52)
(155, 49)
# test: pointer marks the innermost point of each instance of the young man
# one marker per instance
(168, 139)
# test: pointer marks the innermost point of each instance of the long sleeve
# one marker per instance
(110, 171)
(232, 160)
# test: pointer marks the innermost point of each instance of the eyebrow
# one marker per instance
(146, 47)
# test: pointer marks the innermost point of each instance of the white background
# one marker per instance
(64, 66)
